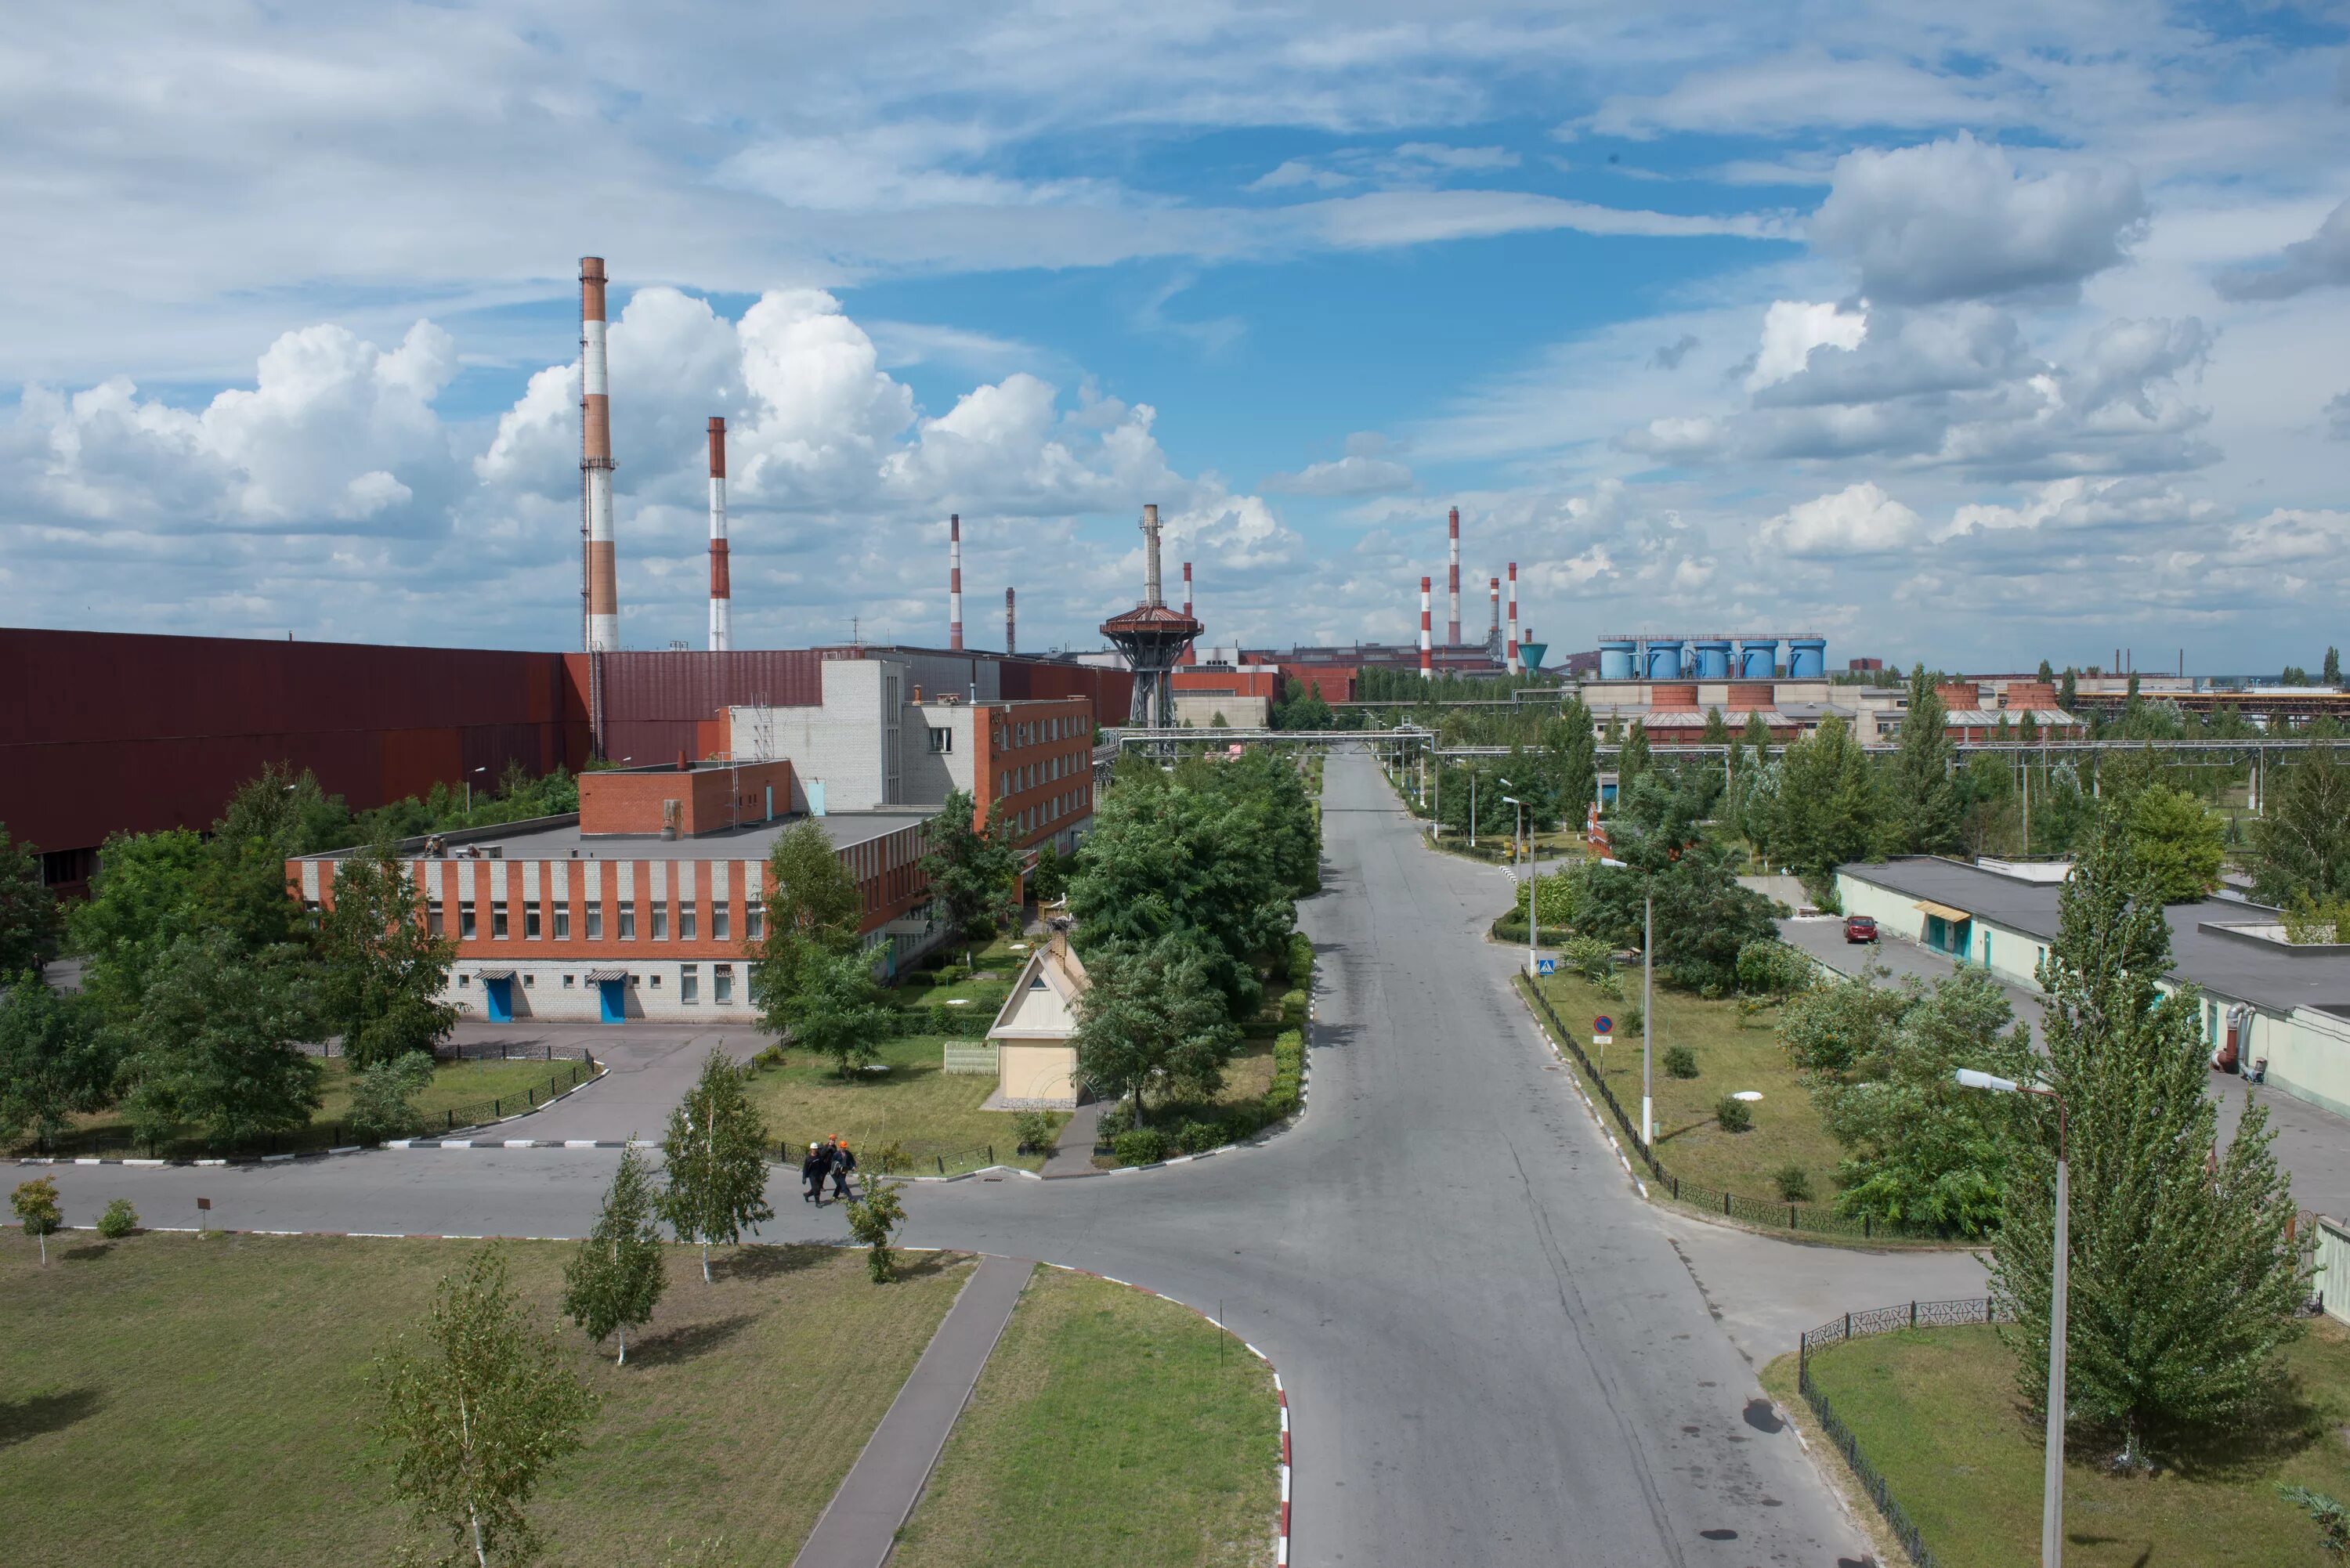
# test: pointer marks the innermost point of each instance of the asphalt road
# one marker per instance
(1496, 1352)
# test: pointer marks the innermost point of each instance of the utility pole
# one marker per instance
(1647, 1001)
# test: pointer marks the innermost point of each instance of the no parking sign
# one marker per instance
(1603, 1030)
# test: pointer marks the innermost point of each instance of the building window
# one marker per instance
(595, 922)
(755, 920)
(498, 922)
(432, 919)
(567, 981)
(941, 742)
(562, 922)
(685, 923)
(661, 921)
(722, 983)
(656, 983)
(628, 921)
(689, 984)
(529, 978)
(530, 922)
(719, 912)
(465, 920)
(464, 979)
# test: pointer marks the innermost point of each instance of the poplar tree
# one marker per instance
(716, 1148)
(1925, 802)
(1634, 759)
(2183, 1278)
(382, 972)
(617, 1277)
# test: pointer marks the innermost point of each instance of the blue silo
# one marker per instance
(1664, 658)
(1616, 659)
(1758, 657)
(1713, 660)
(1808, 657)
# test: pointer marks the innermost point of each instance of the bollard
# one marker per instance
(942, 1163)
(1913, 1313)
(1790, 1218)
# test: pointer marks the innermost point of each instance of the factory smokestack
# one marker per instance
(1011, 626)
(1511, 649)
(1150, 595)
(1453, 601)
(1427, 666)
(1494, 632)
(721, 590)
(603, 592)
(1187, 656)
(954, 579)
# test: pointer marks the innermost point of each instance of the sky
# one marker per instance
(1970, 334)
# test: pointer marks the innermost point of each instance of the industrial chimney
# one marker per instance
(1494, 630)
(1453, 601)
(1152, 598)
(721, 591)
(1510, 655)
(603, 594)
(954, 579)
(1187, 656)
(1427, 666)
(1011, 626)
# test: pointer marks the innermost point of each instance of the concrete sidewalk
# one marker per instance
(1073, 1155)
(860, 1525)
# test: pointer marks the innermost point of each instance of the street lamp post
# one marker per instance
(1533, 920)
(469, 788)
(1647, 1001)
(2051, 1480)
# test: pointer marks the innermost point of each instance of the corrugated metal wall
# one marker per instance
(653, 702)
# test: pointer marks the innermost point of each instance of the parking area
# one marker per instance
(652, 1066)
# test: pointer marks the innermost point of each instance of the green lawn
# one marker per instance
(170, 1401)
(1110, 1427)
(1935, 1410)
(1732, 1054)
(984, 986)
(930, 1112)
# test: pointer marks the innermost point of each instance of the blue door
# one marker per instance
(614, 1002)
(497, 998)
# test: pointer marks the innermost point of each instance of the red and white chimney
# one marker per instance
(721, 590)
(1011, 626)
(603, 592)
(1493, 632)
(1511, 649)
(1453, 601)
(1188, 656)
(954, 579)
(1426, 664)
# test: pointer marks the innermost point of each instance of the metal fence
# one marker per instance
(1809, 1218)
(1860, 1326)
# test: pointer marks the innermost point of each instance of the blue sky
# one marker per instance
(1972, 338)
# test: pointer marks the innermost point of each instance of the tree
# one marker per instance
(873, 1221)
(287, 812)
(1571, 759)
(837, 1011)
(2301, 844)
(716, 1151)
(217, 1042)
(383, 1097)
(35, 1203)
(1048, 880)
(1924, 802)
(2184, 1280)
(1716, 730)
(479, 1415)
(813, 907)
(1703, 918)
(2176, 841)
(1152, 1020)
(1632, 761)
(28, 917)
(147, 893)
(971, 867)
(1918, 1148)
(2047, 672)
(1828, 807)
(381, 971)
(53, 1061)
(2068, 695)
(617, 1277)
(2333, 672)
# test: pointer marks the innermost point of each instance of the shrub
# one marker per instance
(1629, 1023)
(1733, 1113)
(383, 1097)
(1590, 958)
(1288, 1075)
(1293, 1009)
(1115, 1120)
(1139, 1146)
(1035, 1131)
(1794, 1183)
(1680, 1062)
(1301, 959)
(1772, 968)
(1196, 1137)
(119, 1221)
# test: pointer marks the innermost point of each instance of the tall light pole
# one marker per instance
(1533, 920)
(469, 788)
(1647, 1001)
(2051, 1478)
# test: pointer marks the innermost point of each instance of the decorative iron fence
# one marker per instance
(1806, 1217)
(1860, 1326)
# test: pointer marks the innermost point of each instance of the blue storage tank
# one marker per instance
(1713, 660)
(1663, 659)
(1808, 657)
(1758, 657)
(1616, 655)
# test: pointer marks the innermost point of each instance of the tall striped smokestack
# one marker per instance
(1453, 601)
(1011, 626)
(1188, 656)
(1511, 647)
(596, 460)
(954, 579)
(1427, 665)
(1150, 595)
(1493, 592)
(721, 589)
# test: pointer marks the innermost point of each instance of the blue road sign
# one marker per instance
(1545, 966)
(1603, 1024)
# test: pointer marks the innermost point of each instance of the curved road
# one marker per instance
(1495, 1352)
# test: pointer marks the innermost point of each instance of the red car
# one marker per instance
(1859, 928)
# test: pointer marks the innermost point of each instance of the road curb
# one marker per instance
(1574, 1081)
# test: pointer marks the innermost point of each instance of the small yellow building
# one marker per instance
(1035, 1035)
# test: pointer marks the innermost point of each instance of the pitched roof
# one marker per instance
(1052, 965)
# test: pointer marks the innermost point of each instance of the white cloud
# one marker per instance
(1955, 219)
(1800, 88)
(2296, 535)
(1792, 330)
(1364, 470)
(1858, 520)
(2075, 505)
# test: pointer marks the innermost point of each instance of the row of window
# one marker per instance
(1052, 811)
(689, 982)
(1011, 781)
(556, 919)
(1038, 731)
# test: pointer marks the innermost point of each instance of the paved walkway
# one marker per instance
(860, 1525)
(1074, 1154)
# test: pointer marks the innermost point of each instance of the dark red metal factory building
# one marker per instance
(111, 732)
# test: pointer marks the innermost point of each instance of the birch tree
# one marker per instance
(617, 1277)
(716, 1148)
